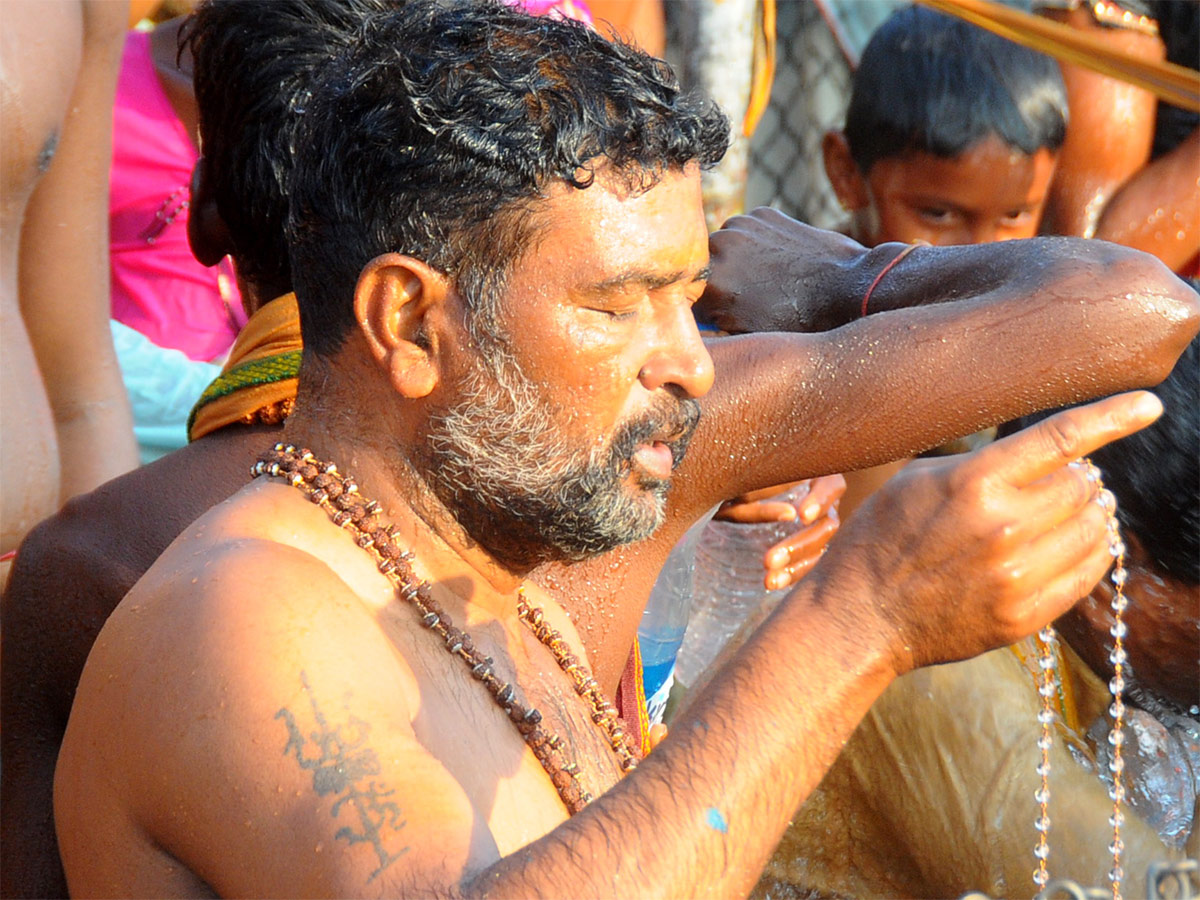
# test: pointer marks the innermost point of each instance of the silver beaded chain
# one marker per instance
(1048, 687)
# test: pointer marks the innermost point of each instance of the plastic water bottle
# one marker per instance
(663, 623)
(728, 584)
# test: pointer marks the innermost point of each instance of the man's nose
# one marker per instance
(679, 357)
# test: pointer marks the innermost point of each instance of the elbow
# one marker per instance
(1177, 305)
(1162, 310)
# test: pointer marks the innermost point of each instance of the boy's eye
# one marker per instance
(1016, 215)
(935, 213)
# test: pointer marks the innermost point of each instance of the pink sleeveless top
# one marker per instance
(158, 287)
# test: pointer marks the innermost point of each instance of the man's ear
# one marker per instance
(208, 235)
(848, 182)
(397, 302)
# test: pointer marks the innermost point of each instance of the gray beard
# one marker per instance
(499, 462)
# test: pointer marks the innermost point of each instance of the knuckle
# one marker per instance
(1063, 436)
(967, 487)
(1090, 526)
(1082, 584)
(1078, 488)
(1006, 533)
(1012, 623)
(963, 475)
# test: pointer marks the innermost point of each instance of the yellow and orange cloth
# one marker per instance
(258, 383)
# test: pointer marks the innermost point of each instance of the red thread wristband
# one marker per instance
(878, 278)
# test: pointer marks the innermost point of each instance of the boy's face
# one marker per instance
(990, 192)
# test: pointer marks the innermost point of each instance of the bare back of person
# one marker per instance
(60, 383)
(74, 570)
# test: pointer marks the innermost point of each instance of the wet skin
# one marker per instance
(68, 552)
(1107, 187)
(460, 802)
(603, 313)
(994, 193)
(989, 192)
(67, 425)
(1110, 132)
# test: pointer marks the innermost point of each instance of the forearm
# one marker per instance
(772, 273)
(703, 812)
(82, 428)
(64, 277)
(892, 385)
(1007, 270)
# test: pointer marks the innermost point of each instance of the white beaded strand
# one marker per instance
(1116, 736)
(1049, 686)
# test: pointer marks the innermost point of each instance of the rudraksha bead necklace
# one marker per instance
(1050, 678)
(338, 494)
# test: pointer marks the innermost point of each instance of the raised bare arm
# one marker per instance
(1007, 328)
(702, 813)
(295, 772)
(64, 280)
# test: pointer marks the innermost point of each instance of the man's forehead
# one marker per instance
(607, 228)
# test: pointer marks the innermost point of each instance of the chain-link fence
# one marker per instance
(817, 40)
(812, 87)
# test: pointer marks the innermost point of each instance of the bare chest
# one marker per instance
(460, 723)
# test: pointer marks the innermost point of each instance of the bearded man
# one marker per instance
(496, 224)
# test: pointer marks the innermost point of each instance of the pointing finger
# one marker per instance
(1035, 452)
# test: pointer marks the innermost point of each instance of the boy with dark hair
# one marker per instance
(951, 134)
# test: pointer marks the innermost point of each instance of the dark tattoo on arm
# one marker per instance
(342, 765)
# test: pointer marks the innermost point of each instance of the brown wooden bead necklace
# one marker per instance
(338, 494)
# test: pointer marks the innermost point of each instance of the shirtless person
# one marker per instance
(75, 567)
(66, 420)
(418, 784)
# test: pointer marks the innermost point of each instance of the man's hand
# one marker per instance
(772, 273)
(967, 553)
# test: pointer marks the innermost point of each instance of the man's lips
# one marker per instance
(656, 458)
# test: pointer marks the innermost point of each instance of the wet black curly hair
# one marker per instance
(445, 122)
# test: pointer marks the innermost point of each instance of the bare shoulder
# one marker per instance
(42, 48)
(242, 588)
(75, 566)
(48, 47)
(266, 719)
